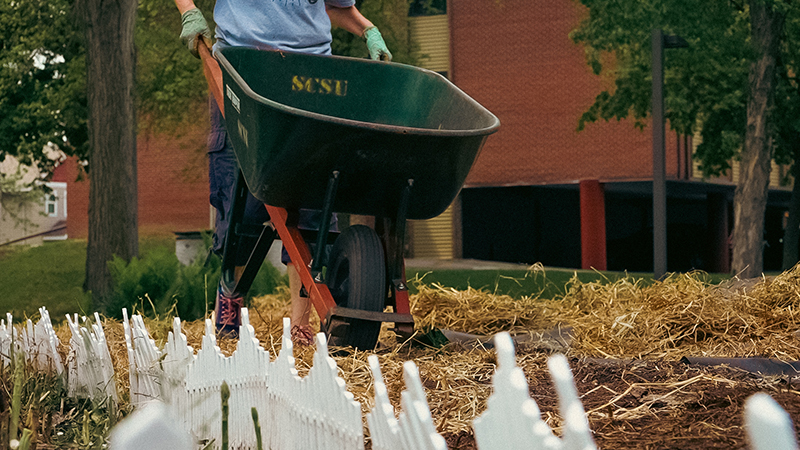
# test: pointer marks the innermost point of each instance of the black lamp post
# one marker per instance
(659, 43)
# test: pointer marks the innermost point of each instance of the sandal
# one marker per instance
(302, 335)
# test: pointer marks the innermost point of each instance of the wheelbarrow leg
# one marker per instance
(256, 259)
(395, 245)
(298, 251)
(324, 227)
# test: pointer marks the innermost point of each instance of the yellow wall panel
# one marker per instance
(433, 238)
(431, 35)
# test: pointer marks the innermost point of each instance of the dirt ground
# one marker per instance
(644, 402)
(656, 405)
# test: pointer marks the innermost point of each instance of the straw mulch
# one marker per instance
(680, 316)
(628, 338)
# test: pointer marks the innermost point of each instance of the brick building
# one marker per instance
(540, 190)
(173, 184)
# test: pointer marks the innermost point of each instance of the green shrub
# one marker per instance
(141, 284)
(157, 284)
(267, 281)
(192, 294)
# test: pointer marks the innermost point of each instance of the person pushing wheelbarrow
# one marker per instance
(292, 25)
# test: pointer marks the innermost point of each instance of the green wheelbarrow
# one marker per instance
(351, 136)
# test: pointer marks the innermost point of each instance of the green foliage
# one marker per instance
(170, 84)
(141, 284)
(257, 425)
(157, 284)
(34, 396)
(47, 103)
(225, 395)
(42, 87)
(787, 96)
(705, 84)
(86, 424)
(192, 291)
(16, 197)
(51, 275)
(391, 18)
(16, 395)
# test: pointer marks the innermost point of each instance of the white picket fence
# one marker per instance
(176, 392)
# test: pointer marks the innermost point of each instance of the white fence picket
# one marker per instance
(133, 370)
(27, 342)
(247, 378)
(512, 419)
(91, 372)
(178, 355)
(245, 371)
(203, 381)
(576, 434)
(283, 415)
(8, 338)
(315, 412)
(416, 424)
(144, 359)
(333, 415)
(47, 357)
(384, 430)
(768, 426)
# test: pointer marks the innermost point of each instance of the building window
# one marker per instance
(51, 205)
(427, 7)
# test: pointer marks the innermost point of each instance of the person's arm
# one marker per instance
(184, 5)
(193, 25)
(351, 19)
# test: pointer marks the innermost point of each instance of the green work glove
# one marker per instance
(194, 25)
(376, 46)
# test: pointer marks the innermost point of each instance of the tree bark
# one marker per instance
(750, 200)
(110, 63)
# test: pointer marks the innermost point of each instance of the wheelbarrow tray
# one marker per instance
(296, 118)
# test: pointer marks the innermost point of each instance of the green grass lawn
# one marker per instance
(52, 274)
(516, 283)
(49, 275)
(551, 283)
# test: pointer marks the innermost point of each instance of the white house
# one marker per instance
(31, 211)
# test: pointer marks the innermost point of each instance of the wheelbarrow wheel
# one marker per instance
(356, 277)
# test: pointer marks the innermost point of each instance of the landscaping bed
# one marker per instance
(626, 340)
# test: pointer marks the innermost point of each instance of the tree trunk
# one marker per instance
(791, 235)
(750, 200)
(110, 67)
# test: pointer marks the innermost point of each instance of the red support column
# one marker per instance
(593, 225)
(718, 229)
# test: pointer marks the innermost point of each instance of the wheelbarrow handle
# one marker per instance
(212, 72)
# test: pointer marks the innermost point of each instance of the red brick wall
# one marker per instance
(516, 58)
(173, 184)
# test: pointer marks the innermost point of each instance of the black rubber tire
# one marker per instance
(356, 277)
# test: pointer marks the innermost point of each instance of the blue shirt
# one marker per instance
(293, 25)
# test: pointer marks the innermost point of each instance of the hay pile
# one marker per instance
(660, 322)
(680, 316)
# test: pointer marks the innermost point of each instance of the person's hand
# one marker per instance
(377, 48)
(194, 25)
